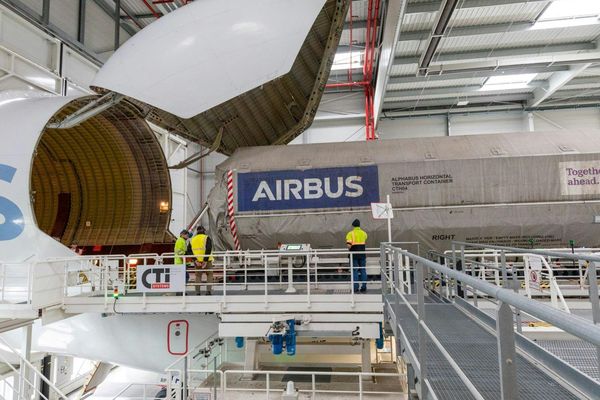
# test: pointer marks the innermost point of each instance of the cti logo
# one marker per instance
(313, 188)
(13, 224)
(162, 278)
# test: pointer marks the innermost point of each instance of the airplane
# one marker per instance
(87, 171)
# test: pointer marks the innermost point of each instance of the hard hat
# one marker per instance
(356, 223)
(184, 232)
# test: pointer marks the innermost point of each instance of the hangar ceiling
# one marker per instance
(491, 54)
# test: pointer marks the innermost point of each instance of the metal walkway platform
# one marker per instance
(475, 350)
(454, 349)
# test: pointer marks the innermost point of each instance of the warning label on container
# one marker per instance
(517, 240)
(579, 177)
(401, 184)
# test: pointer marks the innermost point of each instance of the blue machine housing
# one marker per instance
(288, 338)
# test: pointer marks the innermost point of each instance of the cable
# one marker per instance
(115, 306)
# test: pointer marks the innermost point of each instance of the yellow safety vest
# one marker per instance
(357, 237)
(199, 247)
(180, 250)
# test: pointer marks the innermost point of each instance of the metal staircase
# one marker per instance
(454, 350)
(28, 383)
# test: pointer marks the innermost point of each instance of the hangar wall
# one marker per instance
(341, 118)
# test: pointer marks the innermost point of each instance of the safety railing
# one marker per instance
(585, 260)
(143, 391)
(265, 273)
(27, 380)
(427, 272)
(271, 384)
(566, 272)
(27, 287)
(487, 265)
(15, 283)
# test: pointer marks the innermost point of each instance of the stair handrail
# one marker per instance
(28, 364)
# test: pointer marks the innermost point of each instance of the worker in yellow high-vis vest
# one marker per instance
(202, 249)
(356, 240)
(181, 247)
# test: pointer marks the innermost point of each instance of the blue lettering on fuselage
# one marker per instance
(341, 187)
(13, 224)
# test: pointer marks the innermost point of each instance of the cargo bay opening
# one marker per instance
(104, 182)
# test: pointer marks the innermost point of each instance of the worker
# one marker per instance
(356, 240)
(202, 247)
(181, 247)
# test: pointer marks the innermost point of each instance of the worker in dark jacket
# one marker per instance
(356, 240)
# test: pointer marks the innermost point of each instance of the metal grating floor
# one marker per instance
(475, 351)
(577, 353)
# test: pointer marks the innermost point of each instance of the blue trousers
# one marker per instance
(359, 262)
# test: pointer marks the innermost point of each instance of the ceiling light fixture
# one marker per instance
(508, 82)
(566, 13)
(348, 60)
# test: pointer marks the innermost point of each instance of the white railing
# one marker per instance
(27, 379)
(142, 391)
(270, 384)
(509, 305)
(567, 273)
(547, 274)
(559, 276)
(303, 275)
(264, 273)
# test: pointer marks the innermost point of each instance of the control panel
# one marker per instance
(294, 247)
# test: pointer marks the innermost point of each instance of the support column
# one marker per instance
(366, 359)
(25, 372)
(506, 353)
(250, 360)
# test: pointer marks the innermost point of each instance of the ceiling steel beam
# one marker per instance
(434, 6)
(555, 83)
(117, 14)
(437, 33)
(501, 98)
(391, 31)
(573, 94)
(510, 70)
(540, 60)
(530, 51)
(587, 103)
(81, 21)
(470, 31)
(454, 91)
(588, 82)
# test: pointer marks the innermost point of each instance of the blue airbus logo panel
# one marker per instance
(341, 187)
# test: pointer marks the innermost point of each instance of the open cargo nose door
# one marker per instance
(232, 73)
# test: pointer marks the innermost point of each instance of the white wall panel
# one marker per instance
(333, 131)
(18, 35)
(584, 118)
(497, 122)
(77, 69)
(412, 127)
(99, 29)
(64, 14)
